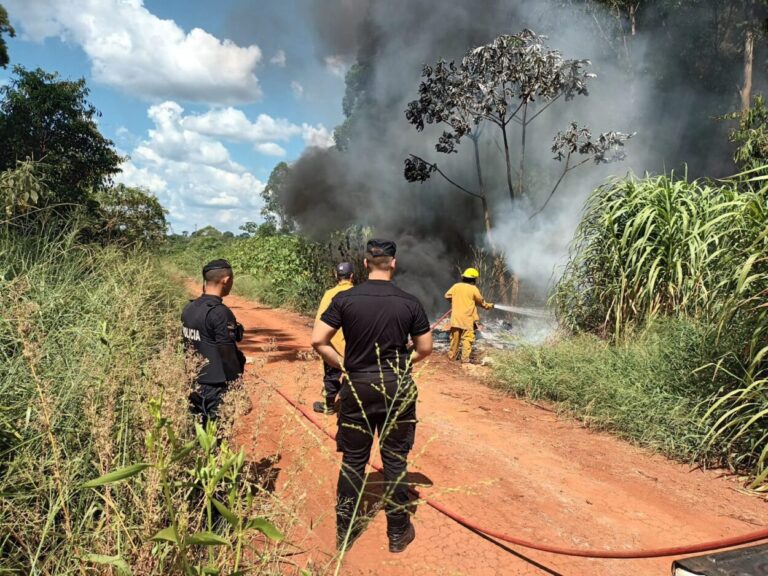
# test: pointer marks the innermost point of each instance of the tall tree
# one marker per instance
(131, 216)
(50, 120)
(356, 100)
(5, 28)
(512, 80)
(273, 211)
(753, 24)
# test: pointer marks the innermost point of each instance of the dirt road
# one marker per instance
(501, 462)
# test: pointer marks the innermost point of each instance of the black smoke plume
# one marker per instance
(668, 82)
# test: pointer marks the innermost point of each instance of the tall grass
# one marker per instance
(739, 410)
(88, 337)
(661, 247)
(78, 324)
(655, 246)
(646, 389)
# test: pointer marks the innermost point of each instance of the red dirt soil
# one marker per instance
(498, 461)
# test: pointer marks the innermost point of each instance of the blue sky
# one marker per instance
(204, 99)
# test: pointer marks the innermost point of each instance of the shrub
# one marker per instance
(278, 269)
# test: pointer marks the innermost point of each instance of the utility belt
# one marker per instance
(374, 377)
(372, 394)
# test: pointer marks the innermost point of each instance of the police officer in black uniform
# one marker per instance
(210, 329)
(378, 395)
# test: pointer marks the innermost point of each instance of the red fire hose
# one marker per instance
(437, 322)
(626, 554)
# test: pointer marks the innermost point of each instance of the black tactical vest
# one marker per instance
(199, 329)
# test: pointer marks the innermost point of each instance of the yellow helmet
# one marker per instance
(471, 273)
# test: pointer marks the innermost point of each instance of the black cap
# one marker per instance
(219, 264)
(344, 269)
(378, 247)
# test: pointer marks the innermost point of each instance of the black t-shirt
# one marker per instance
(376, 313)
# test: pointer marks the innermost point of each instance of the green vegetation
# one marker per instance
(90, 358)
(47, 119)
(5, 28)
(645, 389)
(285, 270)
(56, 167)
(751, 135)
(672, 274)
(656, 246)
(102, 467)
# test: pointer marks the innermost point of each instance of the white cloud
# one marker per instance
(192, 174)
(336, 65)
(279, 59)
(298, 89)
(131, 48)
(270, 149)
(184, 161)
(196, 195)
(141, 177)
(317, 136)
(171, 140)
(233, 124)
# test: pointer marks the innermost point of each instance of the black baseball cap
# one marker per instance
(344, 269)
(378, 247)
(219, 264)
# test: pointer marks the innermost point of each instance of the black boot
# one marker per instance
(324, 408)
(398, 541)
(344, 509)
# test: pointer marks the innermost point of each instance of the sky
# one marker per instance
(202, 99)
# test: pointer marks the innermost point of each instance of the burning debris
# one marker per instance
(522, 327)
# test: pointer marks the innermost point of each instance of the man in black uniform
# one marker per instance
(210, 329)
(379, 394)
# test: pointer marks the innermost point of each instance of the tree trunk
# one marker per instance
(633, 18)
(509, 165)
(483, 199)
(521, 175)
(488, 224)
(749, 56)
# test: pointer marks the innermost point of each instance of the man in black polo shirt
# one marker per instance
(378, 394)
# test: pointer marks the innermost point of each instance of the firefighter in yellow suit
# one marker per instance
(465, 297)
(332, 376)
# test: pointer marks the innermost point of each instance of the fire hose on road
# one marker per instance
(584, 553)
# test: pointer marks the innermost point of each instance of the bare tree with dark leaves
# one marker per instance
(512, 80)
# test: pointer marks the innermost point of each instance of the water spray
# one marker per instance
(542, 313)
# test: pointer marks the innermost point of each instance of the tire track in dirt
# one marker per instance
(501, 462)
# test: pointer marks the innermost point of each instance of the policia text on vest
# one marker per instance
(210, 329)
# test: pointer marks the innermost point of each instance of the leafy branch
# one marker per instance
(609, 147)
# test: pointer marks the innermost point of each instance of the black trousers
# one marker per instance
(370, 405)
(331, 383)
(205, 400)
